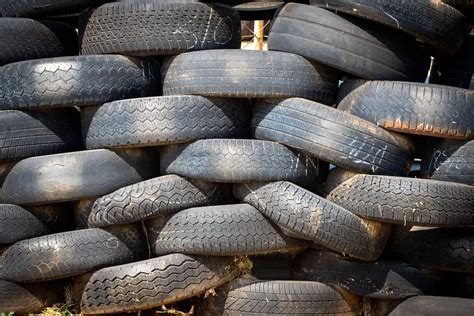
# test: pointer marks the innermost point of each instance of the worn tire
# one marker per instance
(354, 46)
(159, 281)
(434, 306)
(155, 197)
(44, 7)
(16, 224)
(302, 214)
(253, 74)
(406, 201)
(332, 135)
(75, 81)
(413, 108)
(225, 230)
(164, 120)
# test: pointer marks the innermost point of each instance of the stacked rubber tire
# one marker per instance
(147, 162)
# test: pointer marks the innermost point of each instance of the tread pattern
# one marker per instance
(154, 282)
(16, 224)
(225, 230)
(332, 135)
(302, 214)
(414, 108)
(151, 198)
(75, 81)
(164, 120)
(434, 305)
(407, 201)
(253, 74)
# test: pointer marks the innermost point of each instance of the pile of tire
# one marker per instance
(147, 162)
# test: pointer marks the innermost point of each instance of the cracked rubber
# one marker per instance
(225, 230)
(332, 135)
(16, 224)
(155, 197)
(164, 120)
(358, 47)
(413, 108)
(159, 281)
(434, 306)
(406, 201)
(237, 160)
(305, 215)
(44, 7)
(75, 81)
(249, 74)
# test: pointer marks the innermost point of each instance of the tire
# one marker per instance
(31, 298)
(164, 120)
(460, 4)
(16, 224)
(57, 218)
(66, 33)
(150, 28)
(412, 108)
(237, 160)
(257, 10)
(304, 215)
(159, 281)
(156, 197)
(449, 160)
(406, 201)
(63, 255)
(437, 24)
(253, 74)
(43, 7)
(24, 39)
(74, 81)
(357, 47)
(383, 279)
(225, 230)
(434, 306)
(332, 135)
(255, 297)
(75, 176)
(28, 134)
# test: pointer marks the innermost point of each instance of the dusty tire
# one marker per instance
(237, 160)
(154, 282)
(413, 108)
(225, 230)
(253, 74)
(434, 306)
(164, 120)
(155, 197)
(302, 214)
(16, 224)
(332, 135)
(354, 46)
(75, 81)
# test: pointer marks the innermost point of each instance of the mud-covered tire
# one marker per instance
(252, 74)
(160, 121)
(154, 282)
(332, 135)
(434, 306)
(225, 230)
(16, 224)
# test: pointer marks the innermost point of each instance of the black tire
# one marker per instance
(82, 209)
(56, 217)
(332, 135)
(253, 74)
(355, 46)
(257, 10)
(406, 201)
(383, 279)
(24, 39)
(146, 284)
(164, 120)
(254, 297)
(437, 24)
(237, 160)
(302, 214)
(434, 306)
(66, 33)
(449, 160)
(413, 108)
(155, 197)
(75, 81)
(151, 28)
(225, 230)
(460, 4)
(76, 176)
(44, 7)
(27, 134)
(71, 253)
(16, 224)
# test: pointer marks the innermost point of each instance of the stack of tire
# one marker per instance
(159, 166)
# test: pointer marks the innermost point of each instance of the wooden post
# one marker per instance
(258, 31)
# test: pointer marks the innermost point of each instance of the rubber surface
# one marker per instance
(16, 224)
(249, 74)
(44, 7)
(434, 306)
(154, 282)
(332, 135)
(164, 120)
(224, 230)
